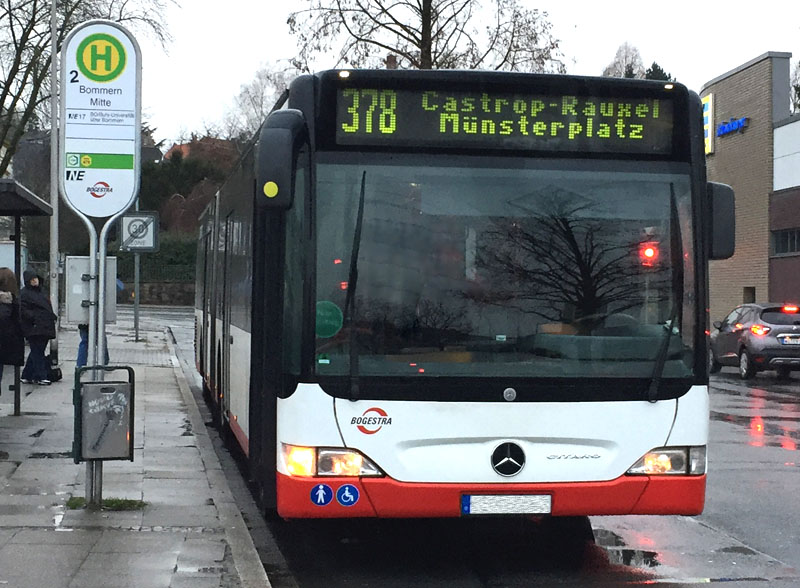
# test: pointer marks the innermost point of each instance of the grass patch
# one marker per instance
(76, 502)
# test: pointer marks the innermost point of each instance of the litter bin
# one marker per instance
(103, 417)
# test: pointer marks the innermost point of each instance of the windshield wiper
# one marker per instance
(677, 294)
(350, 298)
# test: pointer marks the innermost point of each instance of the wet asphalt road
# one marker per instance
(747, 536)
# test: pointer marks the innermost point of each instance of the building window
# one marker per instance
(785, 241)
(749, 294)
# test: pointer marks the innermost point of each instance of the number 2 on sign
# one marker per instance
(364, 104)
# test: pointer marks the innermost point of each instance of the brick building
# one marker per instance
(784, 213)
(747, 108)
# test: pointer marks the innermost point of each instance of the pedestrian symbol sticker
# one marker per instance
(101, 57)
(347, 495)
(321, 495)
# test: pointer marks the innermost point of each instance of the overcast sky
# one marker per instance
(218, 46)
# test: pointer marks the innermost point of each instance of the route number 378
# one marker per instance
(370, 109)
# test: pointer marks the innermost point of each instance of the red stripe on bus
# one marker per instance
(384, 497)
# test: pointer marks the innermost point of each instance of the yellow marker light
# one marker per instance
(270, 189)
(300, 461)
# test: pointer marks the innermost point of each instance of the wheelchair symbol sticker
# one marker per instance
(321, 494)
(347, 495)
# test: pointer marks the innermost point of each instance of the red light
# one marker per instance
(757, 431)
(337, 261)
(648, 253)
(343, 285)
(790, 308)
(759, 330)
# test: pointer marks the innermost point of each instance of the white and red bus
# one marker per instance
(458, 293)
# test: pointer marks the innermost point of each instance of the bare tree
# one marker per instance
(426, 34)
(255, 100)
(795, 88)
(25, 54)
(627, 63)
(563, 261)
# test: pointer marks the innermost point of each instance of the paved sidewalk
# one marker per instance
(189, 533)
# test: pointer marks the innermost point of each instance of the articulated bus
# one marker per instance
(460, 293)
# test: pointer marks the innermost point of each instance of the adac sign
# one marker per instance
(734, 125)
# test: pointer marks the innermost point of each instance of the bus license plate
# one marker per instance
(485, 504)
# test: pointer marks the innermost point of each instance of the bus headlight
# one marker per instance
(344, 462)
(315, 461)
(680, 461)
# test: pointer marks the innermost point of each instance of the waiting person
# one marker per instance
(83, 346)
(38, 326)
(83, 331)
(12, 343)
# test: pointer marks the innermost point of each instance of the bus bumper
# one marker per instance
(386, 498)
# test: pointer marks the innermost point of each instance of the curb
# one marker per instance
(245, 557)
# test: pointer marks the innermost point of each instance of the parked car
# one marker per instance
(756, 337)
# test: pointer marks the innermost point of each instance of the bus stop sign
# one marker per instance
(99, 159)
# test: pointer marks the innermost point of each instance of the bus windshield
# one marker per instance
(486, 266)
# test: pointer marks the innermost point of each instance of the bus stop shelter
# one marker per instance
(17, 201)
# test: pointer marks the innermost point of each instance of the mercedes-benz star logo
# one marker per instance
(508, 459)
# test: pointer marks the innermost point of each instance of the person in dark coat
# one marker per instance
(38, 326)
(12, 343)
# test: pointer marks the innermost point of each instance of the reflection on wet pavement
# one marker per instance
(771, 417)
(618, 553)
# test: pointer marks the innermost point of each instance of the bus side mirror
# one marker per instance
(723, 221)
(279, 141)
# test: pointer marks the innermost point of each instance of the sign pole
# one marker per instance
(136, 277)
(54, 176)
(139, 232)
(100, 162)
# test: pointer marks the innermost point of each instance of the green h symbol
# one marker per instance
(96, 56)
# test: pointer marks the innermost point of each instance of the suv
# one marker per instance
(757, 337)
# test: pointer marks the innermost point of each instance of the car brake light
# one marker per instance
(790, 308)
(759, 330)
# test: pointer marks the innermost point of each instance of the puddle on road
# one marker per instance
(763, 432)
(618, 553)
(648, 563)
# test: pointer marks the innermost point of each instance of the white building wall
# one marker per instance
(786, 171)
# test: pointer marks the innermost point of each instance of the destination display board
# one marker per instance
(429, 117)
